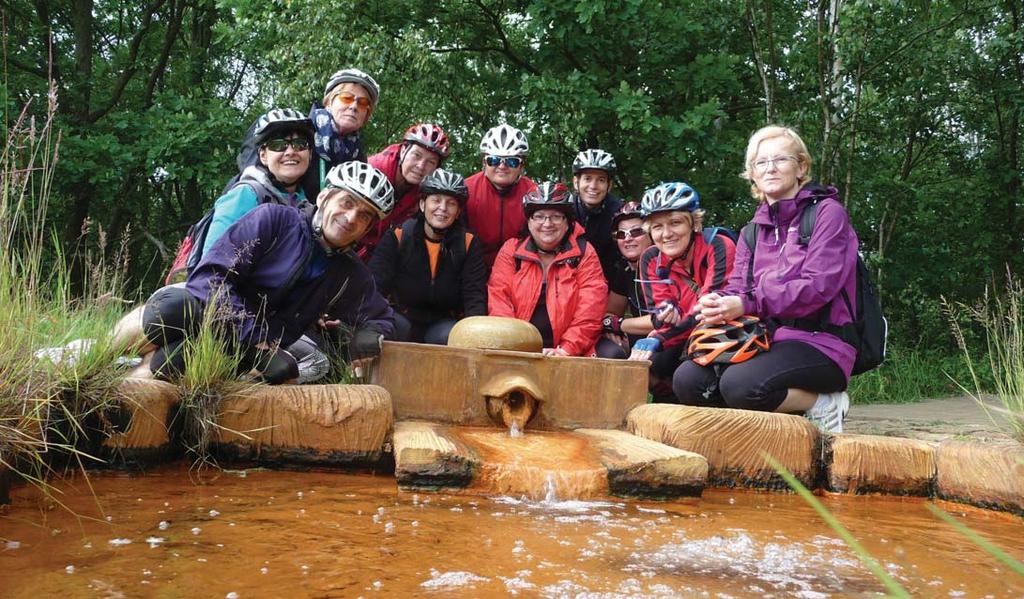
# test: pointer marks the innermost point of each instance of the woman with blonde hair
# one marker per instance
(803, 289)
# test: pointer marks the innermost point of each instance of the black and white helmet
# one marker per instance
(280, 121)
(504, 140)
(594, 159)
(445, 182)
(669, 197)
(354, 76)
(366, 182)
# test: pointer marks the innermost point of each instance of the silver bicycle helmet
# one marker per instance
(549, 195)
(354, 76)
(669, 197)
(445, 182)
(279, 121)
(504, 140)
(365, 182)
(594, 159)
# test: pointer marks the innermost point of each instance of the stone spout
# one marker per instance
(512, 400)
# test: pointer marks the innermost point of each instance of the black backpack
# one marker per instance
(869, 330)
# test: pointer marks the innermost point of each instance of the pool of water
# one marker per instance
(259, 533)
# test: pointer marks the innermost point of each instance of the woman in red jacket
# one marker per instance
(550, 276)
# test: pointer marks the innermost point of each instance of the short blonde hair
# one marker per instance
(696, 219)
(797, 145)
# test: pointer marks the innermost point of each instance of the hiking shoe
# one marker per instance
(829, 411)
(65, 355)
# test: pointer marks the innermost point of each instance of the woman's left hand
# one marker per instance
(554, 351)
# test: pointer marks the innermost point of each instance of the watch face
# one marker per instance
(607, 321)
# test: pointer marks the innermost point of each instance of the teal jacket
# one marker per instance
(243, 197)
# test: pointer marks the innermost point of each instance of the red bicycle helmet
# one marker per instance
(430, 136)
(731, 342)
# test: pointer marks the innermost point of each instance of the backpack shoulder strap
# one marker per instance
(749, 235)
(807, 219)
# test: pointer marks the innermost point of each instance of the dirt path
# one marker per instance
(931, 420)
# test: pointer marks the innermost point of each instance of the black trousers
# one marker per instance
(172, 316)
(760, 383)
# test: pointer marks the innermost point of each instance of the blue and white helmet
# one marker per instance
(366, 182)
(669, 197)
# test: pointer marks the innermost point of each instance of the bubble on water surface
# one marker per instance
(264, 570)
(196, 530)
(389, 527)
(69, 569)
(442, 580)
(154, 542)
(12, 545)
(214, 513)
(231, 595)
(118, 542)
(164, 525)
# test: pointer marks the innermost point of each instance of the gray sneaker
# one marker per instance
(829, 411)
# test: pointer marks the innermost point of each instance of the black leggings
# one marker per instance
(760, 383)
(172, 316)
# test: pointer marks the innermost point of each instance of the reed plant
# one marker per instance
(1000, 315)
(52, 404)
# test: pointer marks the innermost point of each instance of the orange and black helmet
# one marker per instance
(731, 342)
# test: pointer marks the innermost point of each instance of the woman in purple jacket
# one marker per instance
(793, 287)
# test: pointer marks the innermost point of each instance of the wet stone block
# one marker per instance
(451, 385)
(335, 425)
(143, 422)
(989, 476)
(733, 442)
(427, 458)
(872, 464)
(640, 467)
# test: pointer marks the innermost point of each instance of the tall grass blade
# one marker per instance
(977, 539)
(895, 588)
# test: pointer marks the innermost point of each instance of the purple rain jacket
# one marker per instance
(793, 281)
(263, 261)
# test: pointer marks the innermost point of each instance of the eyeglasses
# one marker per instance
(299, 144)
(555, 219)
(630, 234)
(510, 161)
(347, 99)
(780, 162)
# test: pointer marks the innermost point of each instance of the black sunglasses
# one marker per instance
(281, 144)
(630, 234)
(510, 161)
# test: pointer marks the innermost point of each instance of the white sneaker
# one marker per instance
(829, 411)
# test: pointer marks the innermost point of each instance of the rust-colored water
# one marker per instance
(283, 534)
(536, 464)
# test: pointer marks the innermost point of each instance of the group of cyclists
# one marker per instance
(314, 237)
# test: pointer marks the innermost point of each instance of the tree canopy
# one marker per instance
(911, 108)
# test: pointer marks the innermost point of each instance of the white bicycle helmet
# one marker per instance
(504, 140)
(354, 76)
(669, 197)
(279, 121)
(366, 182)
(594, 159)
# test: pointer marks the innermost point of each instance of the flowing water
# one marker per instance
(259, 533)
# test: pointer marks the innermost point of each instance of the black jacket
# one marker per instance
(402, 272)
(598, 226)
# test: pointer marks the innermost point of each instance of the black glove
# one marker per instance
(612, 324)
(366, 343)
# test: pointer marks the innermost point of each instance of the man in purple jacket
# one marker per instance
(275, 273)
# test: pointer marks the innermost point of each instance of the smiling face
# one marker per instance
(776, 170)
(349, 118)
(671, 232)
(440, 210)
(418, 162)
(637, 240)
(345, 218)
(592, 186)
(503, 175)
(289, 165)
(547, 228)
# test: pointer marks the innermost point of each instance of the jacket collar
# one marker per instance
(784, 211)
